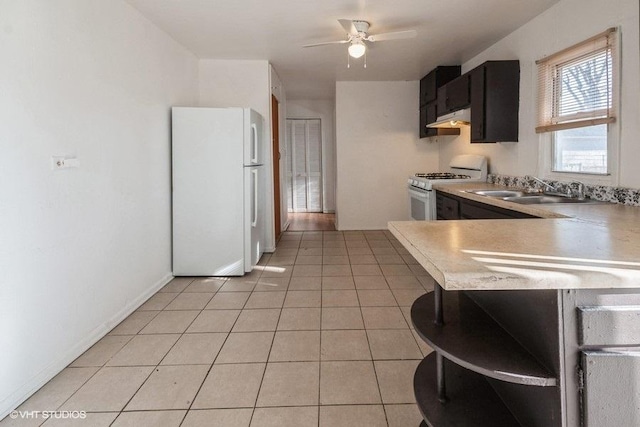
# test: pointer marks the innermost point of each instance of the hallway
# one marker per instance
(311, 222)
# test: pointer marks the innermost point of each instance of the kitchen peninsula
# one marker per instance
(535, 321)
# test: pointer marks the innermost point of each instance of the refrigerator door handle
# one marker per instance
(254, 141)
(254, 213)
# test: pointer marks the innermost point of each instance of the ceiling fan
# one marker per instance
(358, 37)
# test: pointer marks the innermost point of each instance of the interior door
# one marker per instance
(275, 144)
(304, 165)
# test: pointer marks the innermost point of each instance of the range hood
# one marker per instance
(457, 119)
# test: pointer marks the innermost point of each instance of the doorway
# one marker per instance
(312, 222)
(304, 165)
(275, 144)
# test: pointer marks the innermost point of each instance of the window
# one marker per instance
(576, 104)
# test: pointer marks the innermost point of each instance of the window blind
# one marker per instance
(576, 85)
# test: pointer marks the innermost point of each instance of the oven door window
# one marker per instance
(418, 209)
(420, 205)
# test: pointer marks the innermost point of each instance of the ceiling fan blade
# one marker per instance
(409, 34)
(324, 43)
(348, 26)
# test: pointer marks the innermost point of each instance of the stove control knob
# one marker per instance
(409, 181)
(422, 184)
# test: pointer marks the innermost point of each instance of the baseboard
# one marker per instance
(45, 375)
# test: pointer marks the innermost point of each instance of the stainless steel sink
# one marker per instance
(500, 194)
(543, 200)
(525, 198)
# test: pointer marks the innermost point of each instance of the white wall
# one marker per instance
(83, 247)
(377, 148)
(566, 23)
(242, 83)
(325, 111)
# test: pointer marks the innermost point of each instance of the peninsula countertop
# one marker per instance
(571, 246)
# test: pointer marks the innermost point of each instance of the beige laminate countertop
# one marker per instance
(572, 246)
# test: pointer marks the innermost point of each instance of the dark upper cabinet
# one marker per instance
(454, 95)
(495, 99)
(430, 83)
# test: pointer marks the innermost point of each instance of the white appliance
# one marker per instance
(463, 168)
(218, 189)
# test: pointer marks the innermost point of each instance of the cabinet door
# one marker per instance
(458, 93)
(423, 122)
(477, 104)
(611, 388)
(447, 208)
(454, 95)
(502, 100)
(428, 113)
(428, 90)
(432, 114)
(495, 88)
(442, 103)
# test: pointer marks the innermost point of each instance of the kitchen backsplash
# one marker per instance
(625, 196)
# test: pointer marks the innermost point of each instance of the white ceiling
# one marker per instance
(449, 32)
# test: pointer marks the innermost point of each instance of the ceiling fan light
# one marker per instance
(357, 49)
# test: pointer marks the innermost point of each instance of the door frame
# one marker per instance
(275, 146)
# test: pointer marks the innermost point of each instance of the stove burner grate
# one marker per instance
(442, 175)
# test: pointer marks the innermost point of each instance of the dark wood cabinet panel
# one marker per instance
(452, 207)
(424, 131)
(477, 104)
(428, 89)
(454, 95)
(447, 207)
(430, 83)
(495, 99)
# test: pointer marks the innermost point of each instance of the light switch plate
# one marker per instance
(61, 162)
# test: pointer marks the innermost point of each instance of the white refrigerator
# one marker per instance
(218, 188)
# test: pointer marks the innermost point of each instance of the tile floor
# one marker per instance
(318, 335)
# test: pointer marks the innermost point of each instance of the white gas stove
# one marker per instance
(463, 168)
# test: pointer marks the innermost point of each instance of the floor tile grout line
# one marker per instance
(104, 365)
(320, 349)
(375, 372)
(266, 365)
(159, 363)
(99, 368)
(204, 379)
(200, 311)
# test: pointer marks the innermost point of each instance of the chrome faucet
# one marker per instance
(546, 185)
(578, 192)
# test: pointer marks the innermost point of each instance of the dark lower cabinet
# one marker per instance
(452, 207)
(499, 357)
(526, 357)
